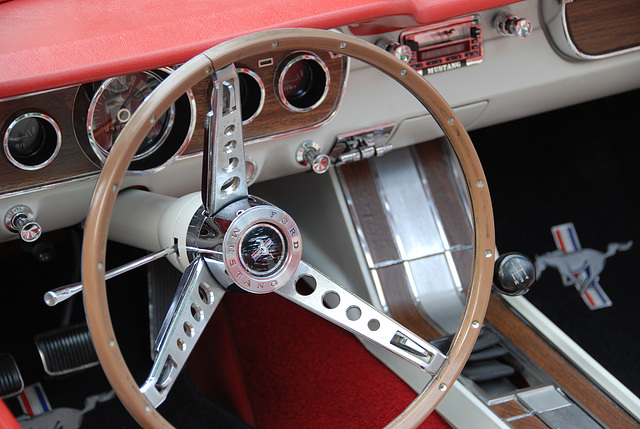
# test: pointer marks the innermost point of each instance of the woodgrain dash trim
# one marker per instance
(604, 27)
(549, 360)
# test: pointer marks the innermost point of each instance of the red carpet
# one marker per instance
(284, 367)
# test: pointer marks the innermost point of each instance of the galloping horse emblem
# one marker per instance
(577, 266)
(571, 265)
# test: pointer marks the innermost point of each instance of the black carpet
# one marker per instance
(582, 165)
(24, 314)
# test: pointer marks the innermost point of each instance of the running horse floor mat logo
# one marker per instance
(40, 415)
(577, 266)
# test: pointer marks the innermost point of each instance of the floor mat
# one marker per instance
(576, 166)
(84, 399)
(304, 372)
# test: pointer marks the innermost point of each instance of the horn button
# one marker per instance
(262, 249)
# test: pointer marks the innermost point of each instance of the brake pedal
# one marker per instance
(66, 350)
(11, 383)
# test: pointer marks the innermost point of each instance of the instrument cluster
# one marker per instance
(63, 134)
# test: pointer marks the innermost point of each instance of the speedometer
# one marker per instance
(113, 105)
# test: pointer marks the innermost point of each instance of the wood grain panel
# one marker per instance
(401, 305)
(509, 409)
(444, 189)
(370, 212)
(69, 164)
(547, 358)
(601, 27)
(531, 422)
(275, 118)
(69, 106)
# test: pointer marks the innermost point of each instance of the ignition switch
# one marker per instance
(20, 219)
(309, 154)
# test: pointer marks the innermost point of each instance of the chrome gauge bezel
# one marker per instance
(54, 147)
(260, 84)
(286, 65)
(170, 144)
(103, 153)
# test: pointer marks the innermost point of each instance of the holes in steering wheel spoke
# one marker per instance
(189, 330)
(206, 293)
(230, 146)
(331, 300)
(354, 313)
(197, 312)
(230, 185)
(182, 345)
(233, 163)
(373, 325)
(306, 285)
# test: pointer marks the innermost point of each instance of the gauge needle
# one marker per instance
(100, 130)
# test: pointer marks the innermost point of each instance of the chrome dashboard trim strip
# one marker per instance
(31, 94)
(419, 235)
(50, 186)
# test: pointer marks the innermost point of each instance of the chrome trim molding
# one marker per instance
(185, 143)
(255, 76)
(422, 244)
(101, 152)
(302, 56)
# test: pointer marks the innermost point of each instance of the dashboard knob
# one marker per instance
(20, 219)
(514, 274)
(309, 154)
(510, 25)
(402, 52)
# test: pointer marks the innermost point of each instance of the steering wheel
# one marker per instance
(259, 245)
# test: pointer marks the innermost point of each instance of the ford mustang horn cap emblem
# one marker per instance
(262, 249)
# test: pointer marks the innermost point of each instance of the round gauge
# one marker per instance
(303, 82)
(112, 106)
(27, 137)
(296, 81)
(32, 141)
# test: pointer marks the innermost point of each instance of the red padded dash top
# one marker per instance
(48, 44)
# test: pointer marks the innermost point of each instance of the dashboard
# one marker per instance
(57, 124)
(56, 116)
(71, 78)
(66, 134)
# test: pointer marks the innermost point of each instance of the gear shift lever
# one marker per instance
(514, 274)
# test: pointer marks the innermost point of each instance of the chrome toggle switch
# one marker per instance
(508, 24)
(20, 219)
(309, 154)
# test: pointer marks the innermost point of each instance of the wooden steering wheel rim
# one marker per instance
(200, 67)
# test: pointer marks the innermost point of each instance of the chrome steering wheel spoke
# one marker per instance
(196, 299)
(223, 167)
(319, 294)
